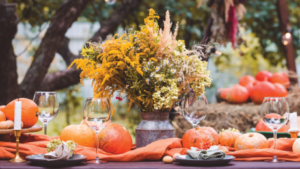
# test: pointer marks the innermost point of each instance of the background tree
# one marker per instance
(261, 19)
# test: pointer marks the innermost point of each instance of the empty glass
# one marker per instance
(97, 115)
(275, 114)
(194, 109)
(48, 107)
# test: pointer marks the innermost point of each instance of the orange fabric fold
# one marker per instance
(283, 152)
(36, 144)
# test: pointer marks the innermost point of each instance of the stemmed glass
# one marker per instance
(275, 114)
(48, 106)
(97, 115)
(194, 109)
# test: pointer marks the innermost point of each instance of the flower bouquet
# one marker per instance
(150, 66)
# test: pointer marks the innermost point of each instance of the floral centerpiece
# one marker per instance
(150, 66)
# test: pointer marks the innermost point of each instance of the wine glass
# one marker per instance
(48, 106)
(194, 109)
(97, 115)
(275, 114)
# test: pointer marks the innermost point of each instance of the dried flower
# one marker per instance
(179, 79)
(152, 74)
(157, 68)
(173, 71)
(166, 62)
(147, 80)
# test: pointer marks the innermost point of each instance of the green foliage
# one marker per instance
(262, 20)
(247, 59)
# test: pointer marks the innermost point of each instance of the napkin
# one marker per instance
(212, 152)
(62, 152)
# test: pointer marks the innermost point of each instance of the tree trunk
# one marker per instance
(65, 78)
(61, 22)
(290, 55)
(9, 88)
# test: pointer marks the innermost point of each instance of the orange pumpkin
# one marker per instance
(199, 135)
(280, 90)
(115, 139)
(228, 137)
(260, 126)
(221, 94)
(237, 94)
(80, 134)
(2, 116)
(249, 88)
(251, 141)
(262, 90)
(281, 78)
(263, 75)
(2, 107)
(245, 80)
(29, 112)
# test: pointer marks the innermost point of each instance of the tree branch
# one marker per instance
(62, 20)
(114, 20)
(65, 52)
(66, 78)
(9, 88)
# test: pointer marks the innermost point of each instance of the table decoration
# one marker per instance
(115, 139)
(251, 141)
(97, 114)
(293, 125)
(228, 137)
(200, 135)
(40, 160)
(150, 66)
(17, 131)
(81, 134)
(32, 129)
(187, 160)
(275, 114)
(48, 107)
(58, 150)
(212, 152)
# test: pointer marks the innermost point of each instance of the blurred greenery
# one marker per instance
(264, 44)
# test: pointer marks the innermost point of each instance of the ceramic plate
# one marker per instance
(39, 159)
(187, 160)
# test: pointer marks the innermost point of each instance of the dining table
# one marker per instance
(4, 164)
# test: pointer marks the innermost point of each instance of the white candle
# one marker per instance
(293, 120)
(17, 121)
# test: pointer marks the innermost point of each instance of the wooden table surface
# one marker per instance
(158, 165)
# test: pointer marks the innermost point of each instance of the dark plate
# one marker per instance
(39, 159)
(187, 160)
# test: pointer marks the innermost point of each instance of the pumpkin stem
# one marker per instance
(197, 128)
(37, 114)
(251, 135)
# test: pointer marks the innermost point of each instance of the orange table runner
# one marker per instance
(36, 144)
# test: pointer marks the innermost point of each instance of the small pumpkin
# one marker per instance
(221, 94)
(296, 146)
(228, 137)
(262, 90)
(199, 135)
(80, 134)
(115, 139)
(251, 141)
(6, 124)
(260, 126)
(280, 78)
(263, 75)
(29, 112)
(2, 107)
(237, 94)
(280, 90)
(2, 116)
(247, 79)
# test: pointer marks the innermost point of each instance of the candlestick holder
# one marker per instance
(294, 134)
(17, 158)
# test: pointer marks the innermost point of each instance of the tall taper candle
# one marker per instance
(18, 114)
(293, 120)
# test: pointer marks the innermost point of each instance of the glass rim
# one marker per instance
(45, 92)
